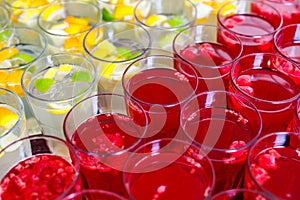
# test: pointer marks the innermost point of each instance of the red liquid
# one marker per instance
(212, 61)
(161, 93)
(105, 134)
(277, 170)
(41, 176)
(266, 84)
(179, 180)
(254, 32)
(289, 10)
(223, 131)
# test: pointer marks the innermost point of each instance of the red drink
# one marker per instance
(102, 142)
(161, 93)
(289, 10)
(268, 85)
(178, 180)
(42, 176)
(274, 165)
(246, 27)
(212, 61)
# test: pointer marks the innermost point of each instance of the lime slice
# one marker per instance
(21, 59)
(82, 76)
(123, 52)
(175, 21)
(106, 15)
(134, 55)
(4, 35)
(43, 84)
(58, 108)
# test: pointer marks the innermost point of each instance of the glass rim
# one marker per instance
(190, 144)
(41, 36)
(289, 100)
(93, 191)
(248, 12)
(9, 4)
(75, 164)
(8, 20)
(239, 190)
(207, 148)
(99, 25)
(163, 57)
(248, 161)
(278, 33)
(68, 137)
(44, 29)
(46, 57)
(207, 66)
(21, 114)
(166, 28)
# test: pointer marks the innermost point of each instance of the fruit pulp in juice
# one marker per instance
(106, 135)
(42, 176)
(212, 61)
(161, 92)
(167, 183)
(269, 85)
(224, 130)
(277, 165)
(255, 32)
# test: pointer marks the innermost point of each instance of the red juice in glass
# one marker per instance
(102, 142)
(160, 91)
(207, 54)
(289, 10)
(42, 176)
(274, 165)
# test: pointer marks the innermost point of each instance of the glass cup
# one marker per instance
(91, 194)
(163, 20)
(287, 44)
(241, 194)
(103, 134)
(25, 13)
(168, 169)
(161, 90)
(12, 118)
(40, 167)
(53, 84)
(112, 46)
(259, 78)
(19, 47)
(211, 50)
(66, 23)
(289, 9)
(273, 165)
(117, 10)
(254, 22)
(5, 18)
(224, 125)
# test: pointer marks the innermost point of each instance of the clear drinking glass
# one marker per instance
(253, 21)
(5, 18)
(259, 78)
(163, 20)
(241, 194)
(224, 125)
(40, 167)
(161, 85)
(53, 84)
(12, 118)
(112, 46)
(103, 134)
(168, 169)
(273, 165)
(66, 23)
(211, 50)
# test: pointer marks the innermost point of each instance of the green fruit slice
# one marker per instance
(82, 76)
(43, 84)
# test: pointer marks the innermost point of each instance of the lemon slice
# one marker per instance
(51, 73)
(58, 108)
(156, 20)
(8, 118)
(104, 49)
(55, 11)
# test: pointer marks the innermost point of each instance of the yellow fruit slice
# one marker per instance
(227, 10)
(58, 108)
(51, 73)
(53, 11)
(124, 12)
(104, 49)
(8, 53)
(8, 119)
(13, 82)
(155, 20)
